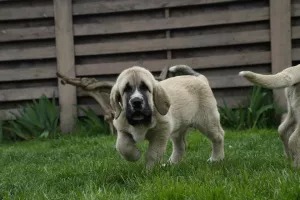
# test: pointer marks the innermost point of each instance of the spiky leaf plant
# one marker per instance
(37, 119)
(259, 113)
(91, 123)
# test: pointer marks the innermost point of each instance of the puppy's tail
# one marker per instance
(285, 78)
(179, 70)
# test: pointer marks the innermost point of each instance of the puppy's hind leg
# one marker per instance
(216, 135)
(209, 124)
(178, 139)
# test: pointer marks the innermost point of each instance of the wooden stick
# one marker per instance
(88, 84)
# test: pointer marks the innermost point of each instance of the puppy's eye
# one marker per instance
(127, 88)
(144, 87)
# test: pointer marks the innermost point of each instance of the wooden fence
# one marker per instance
(101, 38)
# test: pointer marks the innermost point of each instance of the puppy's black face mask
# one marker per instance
(138, 111)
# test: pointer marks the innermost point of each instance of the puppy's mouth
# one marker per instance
(138, 116)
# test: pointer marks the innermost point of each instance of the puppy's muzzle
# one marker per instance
(138, 111)
(137, 103)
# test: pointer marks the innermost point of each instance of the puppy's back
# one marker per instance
(190, 84)
(189, 95)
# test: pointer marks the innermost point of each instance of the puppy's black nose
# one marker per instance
(136, 103)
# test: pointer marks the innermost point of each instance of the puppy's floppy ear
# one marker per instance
(115, 101)
(161, 99)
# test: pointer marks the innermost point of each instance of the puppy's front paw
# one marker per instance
(211, 159)
(165, 164)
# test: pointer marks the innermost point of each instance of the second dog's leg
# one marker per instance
(287, 127)
(294, 146)
(294, 140)
(285, 130)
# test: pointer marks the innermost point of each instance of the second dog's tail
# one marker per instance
(285, 78)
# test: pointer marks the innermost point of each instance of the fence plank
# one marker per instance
(281, 47)
(229, 60)
(205, 19)
(140, 45)
(83, 8)
(31, 73)
(295, 10)
(133, 5)
(32, 33)
(65, 62)
(27, 93)
(174, 43)
(25, 11)
(295, 32)
(231, 81)
(295, 54)
(24, 53)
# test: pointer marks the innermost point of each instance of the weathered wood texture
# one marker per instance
(65, 62)
(281, 44)
(216, 37)
(295, 21)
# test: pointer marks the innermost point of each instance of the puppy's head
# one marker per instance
(138, 93)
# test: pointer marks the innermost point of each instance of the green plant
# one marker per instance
(259, 113)
(1, 131)
(38, 119)
(91, 123)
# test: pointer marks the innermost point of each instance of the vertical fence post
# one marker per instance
(168, 33)
(281, 43)
(65, 62)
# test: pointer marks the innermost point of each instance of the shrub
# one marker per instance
(1, 131)
(38, 119)
(259, 114)
(91, 123)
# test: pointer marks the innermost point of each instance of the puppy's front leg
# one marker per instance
(156, 150)
(127, 148)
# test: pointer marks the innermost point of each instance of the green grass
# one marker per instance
(90, 168)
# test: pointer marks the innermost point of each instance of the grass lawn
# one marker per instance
(90, 168)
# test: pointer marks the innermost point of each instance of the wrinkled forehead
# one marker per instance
(135, 78)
